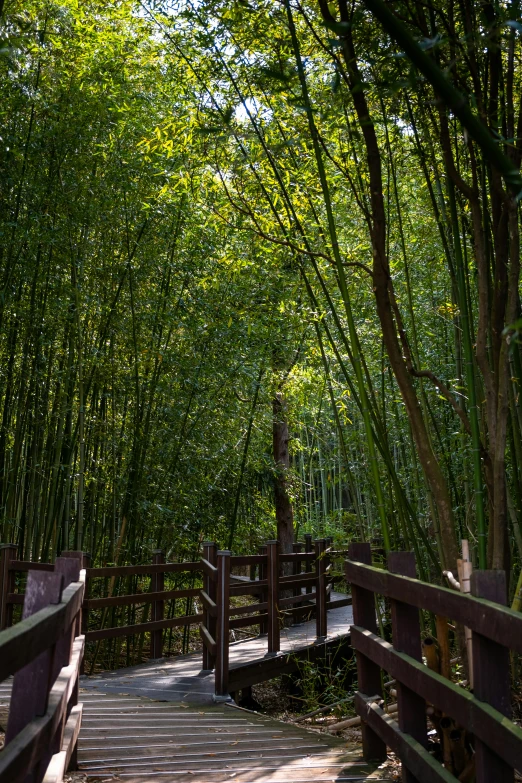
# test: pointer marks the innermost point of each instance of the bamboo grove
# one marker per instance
(228, 225)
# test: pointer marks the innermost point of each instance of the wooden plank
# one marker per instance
(253, 588)
(496, 622)
(129, 630)
(491, 679)
(8, 554)
(56, 769)
(139, 598)
(207, 639)
(476, 716)
(263, 626)
(297, 599)
(237, 610)
(168, 568)
(209, 605)
(300, 581)
(414, 755)
(244, 622)
(21, 644)
(264, 668)
(208, 569)
(321, 616)
(368, 673)
(273, 578)
(222, 630)
(27, 565)
(338, 603)
(297, 557)
(71, 733)
(243, 560)
(407, 639)
(158, 606)
(15, 598)
(30, 691)
(25, 750)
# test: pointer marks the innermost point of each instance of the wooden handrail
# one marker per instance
(43, 723)
(208, 569)
(166, 568)
(22, 643)
(154, 625)
(139, 598)
(486, 713)
(488, 618)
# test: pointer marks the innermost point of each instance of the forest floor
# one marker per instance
(279, 704)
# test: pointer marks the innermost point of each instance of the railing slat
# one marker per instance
(407, 639)
(129, 630)
(476, 716)
(491, 679)
(369, 674)
(497, 622)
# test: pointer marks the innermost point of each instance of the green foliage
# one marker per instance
(185, 207)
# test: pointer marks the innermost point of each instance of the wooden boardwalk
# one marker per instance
(136, 740)
(181, 678)
(158, 721)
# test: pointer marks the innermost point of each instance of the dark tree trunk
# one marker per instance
(283, 504)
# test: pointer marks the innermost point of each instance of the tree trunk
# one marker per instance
(283, 504)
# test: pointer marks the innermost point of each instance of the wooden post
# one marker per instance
(297, 547)
(368, 672)
(263, 574)
(308, 548)
(158, 607)
(491, 670)
(8, 552)
(274, 636)
(297, 613)
(407, 639)
(31, 685)
(210, 587)
(320, 589)
(222, 630)
(86, 563)
(69, 568)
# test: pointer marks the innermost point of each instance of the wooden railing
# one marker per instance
(484, 715)
(306, 590)
(44, 653)
(297, 584)
(157, 595)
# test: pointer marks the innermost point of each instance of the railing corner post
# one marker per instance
(8, 552)
(210, 587)
(491, 676)
(407, 639)
(274, 634)
(320, 589)
(158, 607)
(223, 623)
(368, 672)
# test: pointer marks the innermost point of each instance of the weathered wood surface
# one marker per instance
(141, 740)
(124, 737)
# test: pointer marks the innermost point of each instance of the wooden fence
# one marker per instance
(299, 584)
(306, 590)
(44, 653)
(485, 714)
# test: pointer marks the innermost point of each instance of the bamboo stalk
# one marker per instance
(351, 723)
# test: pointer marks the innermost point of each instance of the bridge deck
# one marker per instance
(181, 678)
(134, 739)
(158, 721)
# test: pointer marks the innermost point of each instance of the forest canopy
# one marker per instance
(260, 276)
